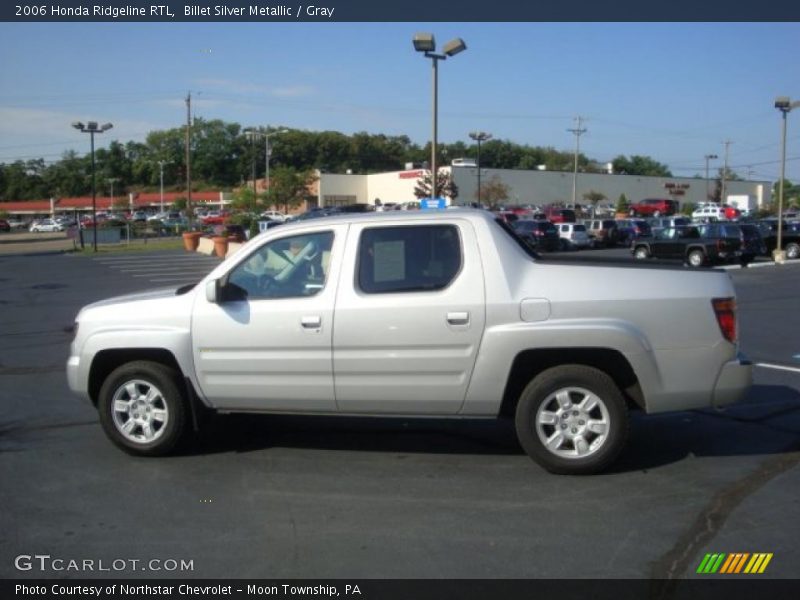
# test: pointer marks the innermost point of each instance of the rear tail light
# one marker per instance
(725, 310)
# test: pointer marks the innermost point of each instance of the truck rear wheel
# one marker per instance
(142, 408)
(641, 253)
(572, 420)
(792, 251)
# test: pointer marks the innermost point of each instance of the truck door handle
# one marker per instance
(311, 322)
(458, 318)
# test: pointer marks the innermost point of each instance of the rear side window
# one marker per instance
(408, 259)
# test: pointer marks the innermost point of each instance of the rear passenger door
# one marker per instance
(409, 317)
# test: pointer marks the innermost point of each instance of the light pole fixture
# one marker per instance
(267, 149)
(785, 105)
(479, 136)
(161, 164)
(709, 157)
(426, 43)
(111, 181)
(91, 127)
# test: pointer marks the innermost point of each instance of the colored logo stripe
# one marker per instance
(734, 563)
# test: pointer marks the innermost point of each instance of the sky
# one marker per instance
(672, 91)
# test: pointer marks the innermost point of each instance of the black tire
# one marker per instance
(696, 258)
(167, 402)
(575, 381)
(792, 251)
(641, 253)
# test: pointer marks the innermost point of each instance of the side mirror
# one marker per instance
(212, 291)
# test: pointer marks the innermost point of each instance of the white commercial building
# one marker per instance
(531, 187)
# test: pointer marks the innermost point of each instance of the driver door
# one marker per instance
(265, 343)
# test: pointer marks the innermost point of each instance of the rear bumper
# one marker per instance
(733, 382)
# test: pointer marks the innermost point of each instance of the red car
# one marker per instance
(654, 207)
(4, 225)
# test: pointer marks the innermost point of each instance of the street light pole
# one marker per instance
(112, 181)
(267, 151)
(480, 136)
(91, 128)
(578, 131)
(161, 164)
(425, 42)
(708, 157)
(785, 105)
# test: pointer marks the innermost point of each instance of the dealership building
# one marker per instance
(538, 188)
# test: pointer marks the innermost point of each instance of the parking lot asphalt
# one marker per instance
(314, 497)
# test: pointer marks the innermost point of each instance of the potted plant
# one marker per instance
(191, 239)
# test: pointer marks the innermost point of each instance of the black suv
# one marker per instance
(714, 243)
(790, 237)
(540, 235)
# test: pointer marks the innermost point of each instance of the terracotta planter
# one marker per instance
(190, 240)
(220, 246)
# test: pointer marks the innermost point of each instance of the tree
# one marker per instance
(289, 187)
(494, 191)
(246, 200)
(445, 186)
(640, 165)
(623, 205)
(593, 197)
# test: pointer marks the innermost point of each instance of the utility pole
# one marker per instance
(188, 159)
(578, 131)
(724, 172)
(709, 157)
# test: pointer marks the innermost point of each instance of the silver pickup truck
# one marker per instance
(414, 314)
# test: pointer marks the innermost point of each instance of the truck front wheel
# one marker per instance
(572, 420)
(142, 409)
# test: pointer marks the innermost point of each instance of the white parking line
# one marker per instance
(778, 367)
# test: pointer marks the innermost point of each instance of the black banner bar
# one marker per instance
(710, 588)
(405, 11)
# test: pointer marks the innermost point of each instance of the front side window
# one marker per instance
(408, 259)
(290, 267)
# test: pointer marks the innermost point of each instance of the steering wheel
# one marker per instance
(265, 283)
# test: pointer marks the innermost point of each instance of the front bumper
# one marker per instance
(75, 379)
(733, 382)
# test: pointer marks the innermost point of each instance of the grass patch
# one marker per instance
(135, 246)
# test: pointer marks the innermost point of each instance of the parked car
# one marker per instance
(331, 317)
(790, 237)
(604, 232)
(631, 229)
(711, 213)
(752, 243)
(559, 215)
(573, 236)
(659, 223)
(653, 207)
(46, 225)
(4, 225)
(715, 245)
(539, 235)
(139, 216)
(274, 215)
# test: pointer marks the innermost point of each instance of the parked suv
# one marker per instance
(560, 215)
(604, 232)
(631, 229)
(654, 207)
(573, 235)
(714, 243)
(540, 235)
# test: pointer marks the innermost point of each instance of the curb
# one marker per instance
(759, 265)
